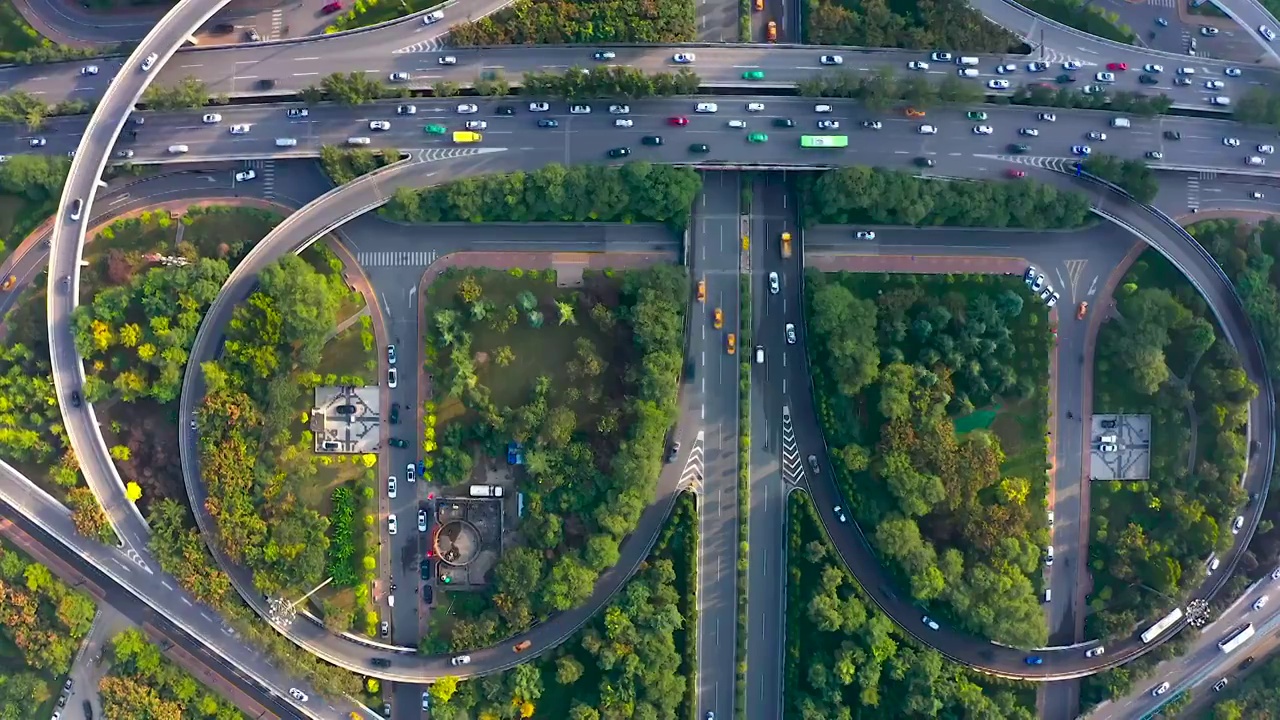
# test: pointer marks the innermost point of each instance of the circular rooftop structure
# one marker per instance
(457, 542)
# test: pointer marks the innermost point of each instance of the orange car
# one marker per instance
(733, 344)
(702, 290)
(759, 5)
(772, 31)
(719, 318)
(522, 646)
(912, 112)
(1082, 310)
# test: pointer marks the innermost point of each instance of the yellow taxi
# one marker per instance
(702, 290)
(718, 318)
(759, 5)
(912, 112)
(732, 346)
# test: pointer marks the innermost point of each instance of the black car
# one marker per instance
(395, 413)
(924, 162)
(424, 569)
(224, 28)
(88, 710)
(266, 83)
(784, 122)
(346, 409)
(1066, 78)
(619, 152)
(548, 123)
(75, 398)
(1247, 662)
(651, 140)
(398, 443)
(1018, 149)
(380, 662)
(699, 148)
(1172, 135)
(504, 110)
(1148, 80)
(427, 594)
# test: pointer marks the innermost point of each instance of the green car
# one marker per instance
(424, 568)
(395, 413)
(398, 443)
(753, 75)
(1018, 149)
(757, 138)
(436, 129)
(977, 115)
(699, 148)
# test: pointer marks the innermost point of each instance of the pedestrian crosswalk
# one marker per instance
(385, 258)
(1163, 3)
(1193, 188)
(266, 170)
(433, 44)
(277, 24)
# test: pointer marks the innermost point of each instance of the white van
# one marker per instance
(358, 141)
(1120, 122)
(486, 491)
(970, 61)
(759, 354)
(178, 149)
(1186, 71)
(1221, 101)
(967, 73)
(1048, 595)
(1107, 439)
(286, 142)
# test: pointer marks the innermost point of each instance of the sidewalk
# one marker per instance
(90, 664)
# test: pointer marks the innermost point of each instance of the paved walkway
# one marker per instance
(90, 665)
(342, 326)
(917, 264)
(70, 23)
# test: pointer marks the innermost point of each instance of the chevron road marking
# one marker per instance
(792, 470)
(449, 153)
(1057, 164)
(691, 475)
(435, 44)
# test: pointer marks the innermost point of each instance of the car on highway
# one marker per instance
(1160, 689)
(684, 58)
(755, 107)
(89, 70)
(1065, 78)
(579, 109)
(149, 61)
(476, 125)
(393, 377)
(1231, 142)
(75, 402)
(391, 486)
(1015, 174)
(211, 118)
(813, 464)
(828, 124)
(433, 17)
(1105, 77)
(298, 694)
(1275, 574)
(983, 129)
(737, 124)
(461, 660)
(678, 121)
(467, 109)
(924, 162)
(824, 108)
(1082, 150)
(426, 698)
(1267, 149)
(1094, 652)
(1036, 67)
(1182, 81)
(1092, 89)
(604, 55)
(548, 123)
(976, 115)
(1152, 68)
(757, 137)
(927, 130)
(1255, 195)
(940, 56)
(731, 343)
(774, 284)
(1145, 79)
(1034, 660)
(831, 60)
(1099, 136)
(120, 154)
(246, 175)
(1237, 524)
(784, 123)
(37, 142)
(790, 331)
(1172, 135)
(998, 84)
(717, 319)
(399, 77)
(1214, 84)
(917, 65)
(652, 140)
(1072, 65)
(619, 152)
(391, 524)
(1218, 686)
(839, 513)
(1208, 31)
(379, 125)
(539, 107)
(395, 413)
(1254, 160)
(930, 623)
(1006, 68)
(1260, 602)
(706, 107)
(447, 60)
(407, 110)
(1266, 32)
(1232, 72)
(865, 235)
(435, 129)
(295, 113)
(753, 75)
(422, 522)
(872, 124)
(1117, 66)
(619, 109)
(1047, 117)
(699, 148)
(1029, 132)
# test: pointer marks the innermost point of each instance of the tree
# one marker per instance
(353, 88)
(445, 89)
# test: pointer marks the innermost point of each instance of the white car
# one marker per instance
(822, 108)
(298, 694)
(755, 107)
(89, 70)
(1071, 65)
(149, 61)
(623, 123)
(1048, 117)
(1037, 66)
(461, 660)
(1232, 72)
(790, 331)
(241, 129)
(1105, 77)
(1108, 448)
(917, 65)
(737, 124)
(829, 124)
(467, 109)
(1214, 84)
(379, 125)
(1266, 32)
(930, 622)
(774, 285)
(1006, 69)
(579, 109)
(448, 60)
(941, 57)
(211, 118)
(1213, 565)
(998, 84)
(983, 129)
(539, 107)
(839, 513)
(1275, 574)
(1256, 195)
(476, 125)
(831, 60)
(407, 110)
(433, 17)
(1231, 142)
(684, 58)
(1094, 652)
(399, 77)
(393, 377)
(391, 487)
(422, 520)
(1237, 525)
(927, 130)
(865, 235)
(705, 107)
(246, 175)
(1267, 149)
(1083, 150)
(619, 109)
(1037, 283)
(1153, 69)
(1260, 602)
(1095, 135)
(1029, 132)
(391, 524)
(1255, 160)
(1053, 298)
(426, 701)
(391, 355)
(36, 142)
(1160, 689)
(1048, 555)
(119, 153)
(410, 472)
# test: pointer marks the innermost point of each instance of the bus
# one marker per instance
(822, 141)
(1165, 623)
(1236, 639)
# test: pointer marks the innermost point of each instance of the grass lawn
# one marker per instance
(15, 34)
(1021, 429)
(18, 217)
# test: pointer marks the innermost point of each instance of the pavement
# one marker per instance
(90, 664)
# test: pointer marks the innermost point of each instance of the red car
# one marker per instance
(1117, 67)
(1017, 174)
(330, 8)
(681, 121)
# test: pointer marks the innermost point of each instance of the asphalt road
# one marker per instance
(773, 383)
(714, 377)
(1251, 14)
(69, 23)
(956, 148)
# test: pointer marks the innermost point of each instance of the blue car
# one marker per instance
(422, 468)
(1035, 660)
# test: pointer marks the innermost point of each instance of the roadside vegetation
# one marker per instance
(1162, 354)
(585, 381)
(189, 93)
(42, 622)
(633, 193)
(21, 107)
(911, 374)
(602, 82)
(21, 44)
(1255, 696)
(582, 22)
(1133, 176)
(1084, 16)
(364, 13)
(636, 659)
(142, 683)
(343, 165)
(860, 195)
(845, 658)
(1258, 106)
(902, 24)
(30, 186)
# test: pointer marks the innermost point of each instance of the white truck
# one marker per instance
(486, 491)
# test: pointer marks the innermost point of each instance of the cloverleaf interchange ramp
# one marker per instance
(106, 124)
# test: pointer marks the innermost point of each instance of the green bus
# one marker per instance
(823, 141)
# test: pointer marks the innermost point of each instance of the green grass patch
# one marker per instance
(976, 420)
(18, 217)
